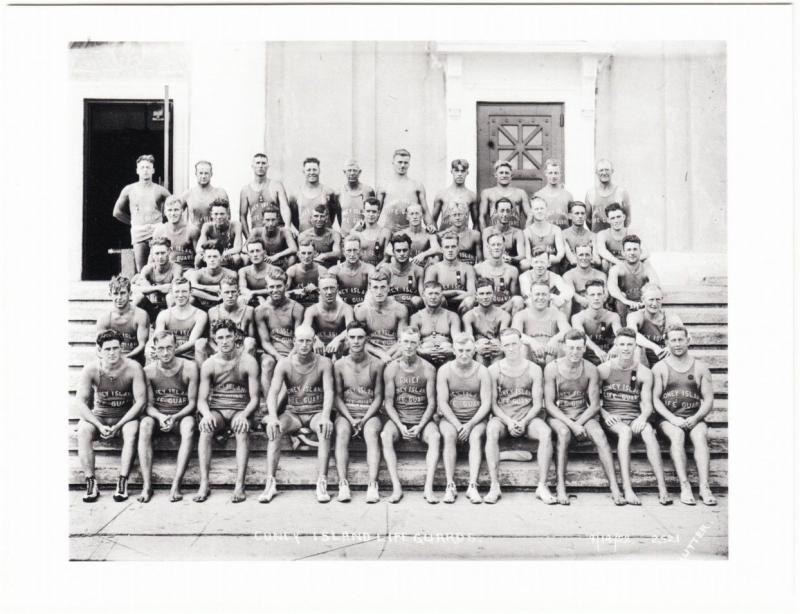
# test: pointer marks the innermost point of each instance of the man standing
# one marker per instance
(359, 397)
(353, 274)
(651, 324)
(352, 197)
(603, 194)
(327, 242)
(626, 280)
(397, 193)
(182, 320)
(456, 278)
(627, 392)
(513, 238)
(131, 322)
(600, 325)
(456, 192)
(228, 396)
(199, 198)
(118, 386)
(308, 378)
(226, 233)
(516, 405)
(555, 195)
(543, 327)
(409, 403)
(572, 400)
(520, 209)
(683, 395)
(171, 404)
(405, 277)
(464, 392)
(437, 326)
(140, 205)
(485, 322)
(262, 195)
(182, 235)
(382, 317)
(312, 193)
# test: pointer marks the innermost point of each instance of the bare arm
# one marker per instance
(559, 239)
(122, 208)
(483, 210)
(388, 395)
(139, 386)
(593, 392)
(263, 333)
(191, 379)
(83, 396)
(283, 204)
(443, 398)
(142, 332)
(197, 332)
(244, 207)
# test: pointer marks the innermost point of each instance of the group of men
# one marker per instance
(361, 313)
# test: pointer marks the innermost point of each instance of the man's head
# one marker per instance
(432, 294)
(224, 333)
(109, 346)
(203, 172)
(304, 340)
(311, 170)
(220, 212)
(540, 295)
(276, 285)
(119, 288)
(652, 297)
(595, 293)
(604, 170)
(484, 291)
(319, 217)
(145, 167)
(401, 159)
(409, 341)
(511, 343)
(577, 213)
(306, 252)
(632, 249)
(615, 215)
(502, 172)
(583, 254)
(574, 345)
(164, 346)
(496, 245)
(372, 208)
(270, 220)
(401, 247)
(328, 288)
(459, 169)
(159, 251)
(540, 260)
(356, 336)
(414, 215)
(552, 172)
(677, 337)
(378, 285)
(459, 214)
(503, 208)
(229, 291)
(212, 254)
(352, 171)
(181, 290)
(449, 242)
(539, 208)
(260, 164)
(625, 343)
(464, 348)
(173, 209)
(352, 249)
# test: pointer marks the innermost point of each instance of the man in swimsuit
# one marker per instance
(485, 322)
(600, 325)
(205, 281)
(198, 199)
(424, 244)
(577, 235)
(577, 278)
(626, 388)
(504, 275)
(327, 242)
(437, 326)
(280, 248)
(543, 327)
(312, 193)
(128, 320)
(152, 284)
(603, 194)
(516, 409)
(409, 403)
(171, 403)
(262, 195)
(626, 280)
(609, 241)
(555, 195)
(464, 392)
(226, 233)
(140, 205)
(560, 291)
(276, 321)
(513, 238)
(469, 240)
(182, 235)
(456, 277)
(352, 197)
(445, 200)
(253, 277)
(572, 400)
(233, 309)
(303, 277)
(228, 396)
(405, 277)
(683, 395)
(382, 316)
(520, 210)
(541, 233)
(374, 236)
(651, 324)
(328, 318)
(117, 385)
(309, 395)
(359, 397)
(395, 194)
(185, 322)
(352, 274)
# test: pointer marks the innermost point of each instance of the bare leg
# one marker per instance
(563, 437)
(450, 436)
(494, 431)
(538, 429)
(129, 432)
(267, 367)
(677, 451)
(323, 460)
(597, 435)
(372, 431)
(431, 436)
(141, 252)
(204, 459)
(389, 435)
(624, 437)
(342, 452)
(702, 456)
(86, 436)
(146, 426)
(289, 424)
(187, 428)
(242, 455)
(654, 456)
(201, 351)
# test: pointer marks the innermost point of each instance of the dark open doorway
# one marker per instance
(116, 132)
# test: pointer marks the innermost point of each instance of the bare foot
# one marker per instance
(238, 495)
(175, 494)
(493, 495)
(631, 498)
(202, 493)
(396, 495)
(543, 493)
(706, 497)
(146, 495)
(687, 498)
(617, 498)
(561, 495)
(270, 490)
(664, 499)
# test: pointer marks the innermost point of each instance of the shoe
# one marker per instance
(322, 491)
(91, 490)
(473, 495)
(122, 489)
(450, 493)
(373, 496)
(344, 492)
(492, 496)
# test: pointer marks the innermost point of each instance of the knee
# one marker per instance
(267, 362)
(493, 430)
(86, 431)
(249, 345)
(130, 430)
(200, 346)
(543, 433)
(188, 425)
(387, 437)
(146, 426)
(624, 434)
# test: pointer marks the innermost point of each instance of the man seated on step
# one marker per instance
(409, 403)
(609, 240)
(151, 286)
(226, 232)
(182, 235)
(353, 273)
(456, 277)
(560, 291)
(280, 248)
(405, 277)
(303, 277)
(577, 277)
(651, 324)
(327, 242)
(374, 235)
(237, 311)
(383, 316)
(626, 406)
(253, 277)
(116, 384)
(205, 280)
(543, 327)
(572, 401)
(469, 239)
(171, 405)
(359, 397)
(600, 325)
(131, 322)
(183, 320)
(308, 399)
(437, 326)
(464, 393)
(491, 197)
(276, 320)
(517, 412)
(504, 275)
(578, 234)
(485, 322)
(329, 318)
(228, 396)
(424, 244)
(626, 280)
(683, 396)
(513, 238)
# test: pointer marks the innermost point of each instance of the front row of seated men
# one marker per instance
(384, 390)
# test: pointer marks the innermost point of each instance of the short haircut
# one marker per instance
(351, 238)
(378, 275)
(539, 198)
(552, 162)
(303, 241)
(327, 276)
(277, 274)
(676, 328)
(108, 335)
(626, 332)
(256, 240)
(400, 237)
(413, 206)
(613, 207)
(180, 280)
(501, 163)
(321, 209)
(161, 241)
(211, 244)
(401, 152)
(432, 284)
(651, 286)
(595, 282)
(220, 202)
(229, 280)
(631, 239)
(575, 203)
(199, 162)
(260, 155)
(446, 235)
(372, 201)
(411, 329)
(494, 234)
(544, 284)
(146, 158)
(510, 332)
(498, 202)
(119, 283)
(311, 160)
(588, 246)
(484, 282)
(459, 164)
(355, 324)
(538, 250)
(225, 323)
(463, 337)
(575, 334)
(171, 200)
(162, 334)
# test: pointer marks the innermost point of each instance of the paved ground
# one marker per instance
(294, 526)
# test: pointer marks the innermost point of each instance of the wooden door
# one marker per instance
(524, 134)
